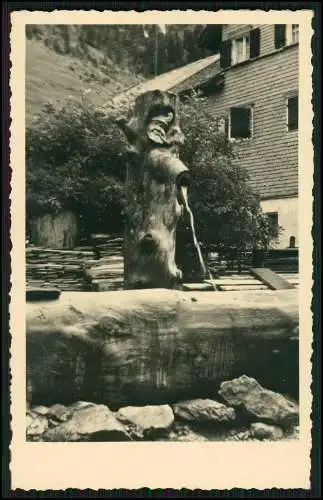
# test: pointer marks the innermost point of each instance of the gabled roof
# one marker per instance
(183, 77)
(199, 79)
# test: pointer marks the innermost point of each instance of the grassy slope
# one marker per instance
(57, 78)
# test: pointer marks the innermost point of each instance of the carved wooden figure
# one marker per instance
(155, 176)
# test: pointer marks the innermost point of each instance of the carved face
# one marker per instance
(154, 123)
(161, 129)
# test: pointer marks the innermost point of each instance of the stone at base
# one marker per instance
(36, 426)
(184, 433)
(293, 433)
(204, 410)
(262, 431)
(260, 403)
(59, 413)
(93, 423)
(147, 421)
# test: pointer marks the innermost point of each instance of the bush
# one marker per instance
(74, 163)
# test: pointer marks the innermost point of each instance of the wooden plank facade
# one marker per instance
(257, 104)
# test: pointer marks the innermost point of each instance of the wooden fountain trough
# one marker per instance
(159, 345)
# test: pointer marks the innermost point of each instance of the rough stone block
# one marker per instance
(260, 403)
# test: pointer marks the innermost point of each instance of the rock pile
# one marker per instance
(249, 412)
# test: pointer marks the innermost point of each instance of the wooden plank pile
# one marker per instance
(279, 260)
(62, 269)
(282, 260)
(106, 273)
(228, 283)
(221, 267)
(107, 245)
(100, 267)
(238, 283)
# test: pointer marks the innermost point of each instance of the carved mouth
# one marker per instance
(182, 180)
(148, 244)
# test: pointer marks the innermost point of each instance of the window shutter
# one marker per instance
(280, 35)
(240, 123)
(225, 54)
(293, 113)
(254, 43)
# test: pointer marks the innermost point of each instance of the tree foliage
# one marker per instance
(74, 162)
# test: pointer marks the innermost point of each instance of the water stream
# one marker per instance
(204, 268)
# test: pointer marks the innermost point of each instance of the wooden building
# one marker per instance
(255, 97)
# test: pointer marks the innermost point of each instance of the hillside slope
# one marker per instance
(63, 62)
(57, 78)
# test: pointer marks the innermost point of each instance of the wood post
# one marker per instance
(155, 175)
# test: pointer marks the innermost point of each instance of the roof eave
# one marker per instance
(209, 87)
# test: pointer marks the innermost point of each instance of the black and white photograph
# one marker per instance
(162, 239)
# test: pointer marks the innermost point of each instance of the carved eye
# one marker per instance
(165, 118)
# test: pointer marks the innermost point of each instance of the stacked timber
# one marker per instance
(62, 269)
(282, 260)
(106, 273)
(107, 245)
(279, 260)
(224, 266)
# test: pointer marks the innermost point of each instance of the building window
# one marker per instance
(292, 33)
(240, 49)
(273, 220)
(292, 113)
(286, 34)
(240, 123)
